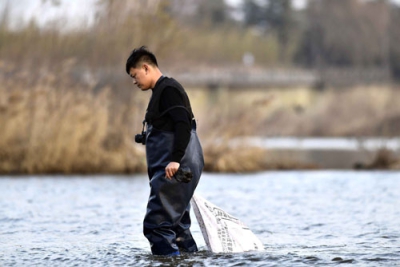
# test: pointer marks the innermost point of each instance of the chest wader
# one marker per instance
(167, 221)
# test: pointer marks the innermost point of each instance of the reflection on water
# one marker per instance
(302, 218)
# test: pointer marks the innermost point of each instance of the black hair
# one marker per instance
(139, 55)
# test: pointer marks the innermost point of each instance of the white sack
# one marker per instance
(221, 231)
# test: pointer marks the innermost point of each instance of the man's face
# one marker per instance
(140, 77)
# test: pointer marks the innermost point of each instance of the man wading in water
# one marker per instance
(174, 156)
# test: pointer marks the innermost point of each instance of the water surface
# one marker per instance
(303, 219)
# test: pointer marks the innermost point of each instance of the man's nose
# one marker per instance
(134, 81)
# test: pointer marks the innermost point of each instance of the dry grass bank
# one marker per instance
(50, 123)
(351, 112)
(55, 126)
(358, 111)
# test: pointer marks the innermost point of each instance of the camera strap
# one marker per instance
(144, 125)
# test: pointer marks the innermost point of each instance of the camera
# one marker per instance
(141, 138)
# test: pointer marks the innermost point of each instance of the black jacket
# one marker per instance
(169, 109)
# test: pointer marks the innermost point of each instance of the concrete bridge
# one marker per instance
(241, 78)
(248, 78)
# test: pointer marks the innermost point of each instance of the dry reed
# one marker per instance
(56, 127)
(51, 123)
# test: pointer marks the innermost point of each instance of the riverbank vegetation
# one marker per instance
(66, 105)
(52, 124)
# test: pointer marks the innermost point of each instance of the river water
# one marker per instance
(308, 218)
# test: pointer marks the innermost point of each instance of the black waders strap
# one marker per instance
(173, 107)
(169, 109)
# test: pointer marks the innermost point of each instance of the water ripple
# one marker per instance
(303, 218)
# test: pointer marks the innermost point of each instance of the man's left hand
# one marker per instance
(171, 169)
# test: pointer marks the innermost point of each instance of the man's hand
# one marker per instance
(171, 169)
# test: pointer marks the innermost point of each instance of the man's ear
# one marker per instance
(145, 67)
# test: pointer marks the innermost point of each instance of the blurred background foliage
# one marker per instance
(67, 105)
(325, 32)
